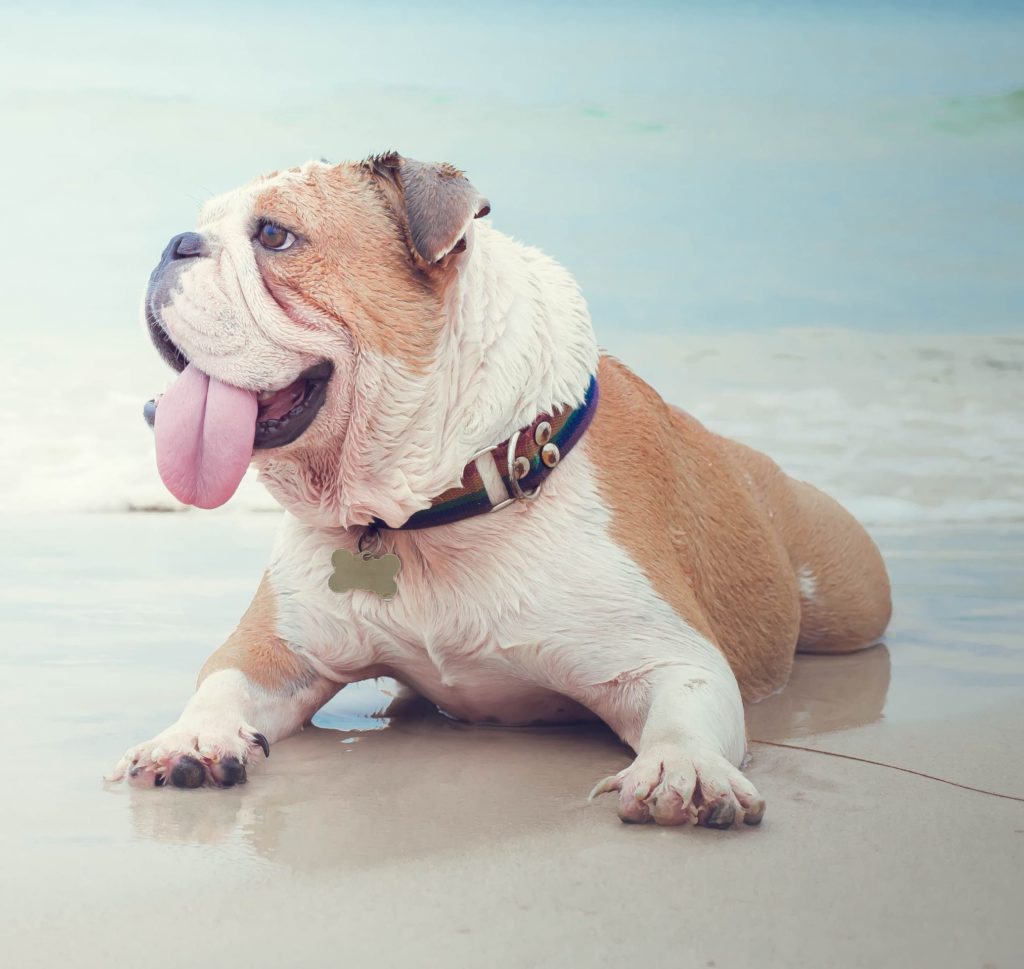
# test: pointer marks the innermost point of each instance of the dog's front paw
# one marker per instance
(192, 753)
(670, 785)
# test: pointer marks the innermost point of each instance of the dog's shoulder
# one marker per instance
(643, 432)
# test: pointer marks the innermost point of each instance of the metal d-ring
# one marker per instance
(371, 541)
(513, 482)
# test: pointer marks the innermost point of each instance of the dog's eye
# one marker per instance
(273, 236)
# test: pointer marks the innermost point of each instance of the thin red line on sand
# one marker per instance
(878, 763)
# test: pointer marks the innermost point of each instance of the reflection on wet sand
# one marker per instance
(381, 781)
(824, 694)
(380, 796)
(425, 786)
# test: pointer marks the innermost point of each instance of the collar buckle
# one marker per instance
(517, 493)
(514, 489)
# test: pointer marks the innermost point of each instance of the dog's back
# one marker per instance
(758, 562)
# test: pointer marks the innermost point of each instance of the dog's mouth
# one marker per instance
(207, 430)
(283, 416)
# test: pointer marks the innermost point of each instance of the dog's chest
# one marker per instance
(459, 644)
(462, 661)
(499, 622)
(458, 630)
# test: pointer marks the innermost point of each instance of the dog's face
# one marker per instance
(297, 297)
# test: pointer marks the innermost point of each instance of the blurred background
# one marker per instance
(801, 222)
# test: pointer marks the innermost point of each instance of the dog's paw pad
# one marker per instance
(188, 772)
(228, 772)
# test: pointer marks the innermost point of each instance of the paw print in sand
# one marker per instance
(360, 570)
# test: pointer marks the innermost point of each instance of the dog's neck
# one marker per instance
(519, 342)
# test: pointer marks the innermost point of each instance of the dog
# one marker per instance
(560, 544)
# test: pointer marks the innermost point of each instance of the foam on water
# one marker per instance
(898, 427)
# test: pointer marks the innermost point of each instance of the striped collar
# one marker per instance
(513, 470)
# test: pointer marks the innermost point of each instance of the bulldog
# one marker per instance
(544, 539)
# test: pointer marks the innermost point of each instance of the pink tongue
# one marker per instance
(204, 434)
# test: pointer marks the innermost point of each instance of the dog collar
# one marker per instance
(511, 471)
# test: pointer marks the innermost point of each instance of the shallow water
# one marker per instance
(954, 647)
(898, 427)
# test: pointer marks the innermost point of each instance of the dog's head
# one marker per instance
(308, 313)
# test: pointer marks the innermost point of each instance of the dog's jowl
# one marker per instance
(525, 530)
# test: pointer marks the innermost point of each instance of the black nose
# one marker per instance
(188, 245)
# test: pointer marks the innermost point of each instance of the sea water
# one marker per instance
(802, 222)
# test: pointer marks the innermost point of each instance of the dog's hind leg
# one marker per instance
(845, 599)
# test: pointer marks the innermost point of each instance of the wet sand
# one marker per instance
(418, 841)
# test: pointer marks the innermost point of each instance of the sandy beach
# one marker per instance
(413, 840)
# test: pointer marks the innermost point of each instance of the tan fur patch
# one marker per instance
(846, 603)
(352, 262)
(256, 650)
(715, 544)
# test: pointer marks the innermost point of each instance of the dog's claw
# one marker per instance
(261, 741)
(604, 787)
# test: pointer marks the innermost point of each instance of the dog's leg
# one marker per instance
(686, 724)
(252, 691)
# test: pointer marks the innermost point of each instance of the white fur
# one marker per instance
(808, 584)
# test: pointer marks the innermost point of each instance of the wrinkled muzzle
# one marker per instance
(206, 428)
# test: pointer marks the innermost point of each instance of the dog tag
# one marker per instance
(362, 570)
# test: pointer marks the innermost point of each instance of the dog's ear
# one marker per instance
(435, 201)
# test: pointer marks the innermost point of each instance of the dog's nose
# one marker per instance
(188, 245)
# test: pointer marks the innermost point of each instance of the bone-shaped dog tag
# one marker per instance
(361, 570)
